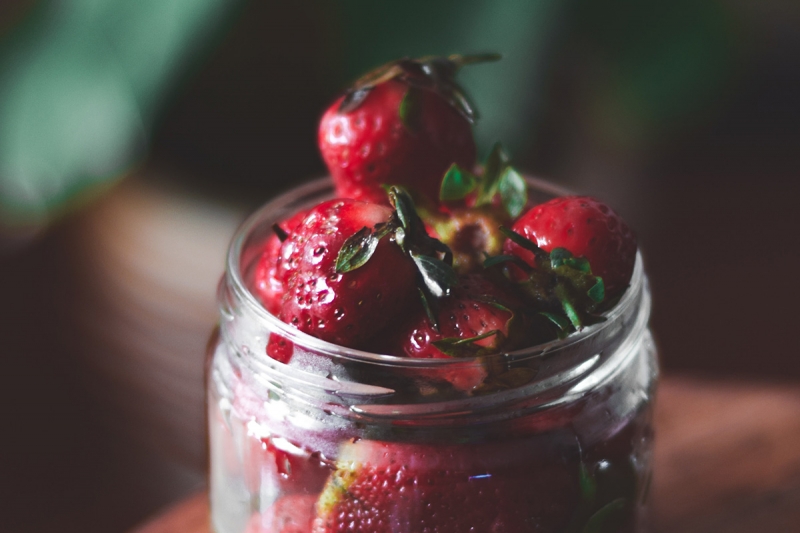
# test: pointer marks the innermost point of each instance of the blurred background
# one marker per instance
(135, 136)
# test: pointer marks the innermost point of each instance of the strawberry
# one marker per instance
(382, 487)
(289, 514)
(352, 269)
(477, 318)
(266, 285)
(474, 208)
(335, 306)
(275, 464)
(403, 124)
(587, 228)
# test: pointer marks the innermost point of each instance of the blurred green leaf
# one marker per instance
(80, 82)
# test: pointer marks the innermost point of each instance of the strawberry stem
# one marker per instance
(436, 73)
(461, 60)
(458, 347)
(280, 232)
(560, 285)
(432, 258)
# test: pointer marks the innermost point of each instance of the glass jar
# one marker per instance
(343, 440)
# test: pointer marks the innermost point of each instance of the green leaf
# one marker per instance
(495, 164)
(492, 171)
(438, 276)
(383, 229)
(500, 259)
(491, 300)
(568, 306)
(572, 313)
(513, 192)
(563, 257)
(457, 184)
(559, 257)
(604, 517)
(410, 110)
(356, 251)
(562, 323)
(579, 263)
(588, 484)
(404, 206)
(458, 347)
(598, 292)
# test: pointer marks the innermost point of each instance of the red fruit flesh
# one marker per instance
(371, 146)
(388, 487)
(587, 228)
(349, 309)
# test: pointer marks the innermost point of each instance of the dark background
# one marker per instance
(683, 115)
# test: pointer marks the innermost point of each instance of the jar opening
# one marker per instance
(257, 228)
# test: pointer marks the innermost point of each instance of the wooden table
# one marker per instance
(727, 458)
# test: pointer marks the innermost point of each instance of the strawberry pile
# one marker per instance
(426, 254)
(446, 488)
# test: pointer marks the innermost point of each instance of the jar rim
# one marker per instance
(251, 304)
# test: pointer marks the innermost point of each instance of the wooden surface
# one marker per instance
(727, 458)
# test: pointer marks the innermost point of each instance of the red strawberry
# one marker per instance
(266, 285)
(382, 487)
(403, 124)
(289, 514)
(352, 269)
(587, 228)
(350, 308)
(477, 309)
(277, 465)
